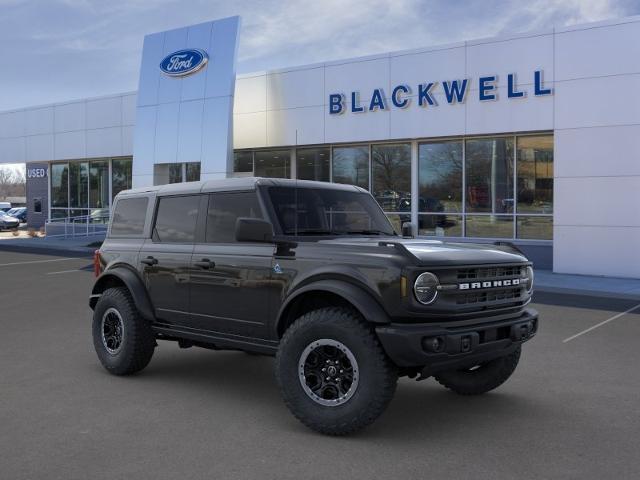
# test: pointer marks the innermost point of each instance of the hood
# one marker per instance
(436, 252)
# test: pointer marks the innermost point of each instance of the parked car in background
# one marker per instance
(7, 222)
(20, 213)
(5, 206)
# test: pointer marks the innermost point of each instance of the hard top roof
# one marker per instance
(230, 184)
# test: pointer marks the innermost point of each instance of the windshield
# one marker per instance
(317, 211)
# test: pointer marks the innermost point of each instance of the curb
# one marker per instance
(587, 293)
(48, 249)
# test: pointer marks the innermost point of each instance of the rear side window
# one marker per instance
(176, 219)
(224, 210)
(129, 216)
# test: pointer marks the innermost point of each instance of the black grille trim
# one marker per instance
(486, 273)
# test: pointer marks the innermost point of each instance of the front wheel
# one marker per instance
(333, 374)
(480, 378)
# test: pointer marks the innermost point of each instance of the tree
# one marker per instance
(12, 183)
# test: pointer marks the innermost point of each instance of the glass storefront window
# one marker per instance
(60, 185)
(193, 172)
(175, 173)
(272, 163)
(243, 161)
(351, 165)
(440, 177)
(313, 164)
(535, 174)
(121, 175)
(534, 227)
(440, 225)
(489, 172)
(99, 184)
(78, 184)
(489, 226)
(391, 172)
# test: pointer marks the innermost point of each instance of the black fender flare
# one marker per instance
(134, 284)
(362, 300)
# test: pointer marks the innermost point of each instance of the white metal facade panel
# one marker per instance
(104, 112)
(38, 147)
(70, 145)
(70, 117)
(104, 142)
(598, 151)
(38, 121)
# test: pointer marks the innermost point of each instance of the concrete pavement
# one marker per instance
(569, 411)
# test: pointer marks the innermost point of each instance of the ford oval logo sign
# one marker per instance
(184, 62)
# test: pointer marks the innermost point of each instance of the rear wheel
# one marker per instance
(122, 339)
(480, 378)
(332, 372)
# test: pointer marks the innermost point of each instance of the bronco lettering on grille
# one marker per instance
(491, 284)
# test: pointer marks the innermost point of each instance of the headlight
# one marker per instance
(529, 279)
(426, 288)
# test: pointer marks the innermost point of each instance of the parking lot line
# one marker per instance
(67, 271)
(36, 261)
(615, 317)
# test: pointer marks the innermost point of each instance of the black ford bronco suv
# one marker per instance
(314, 274)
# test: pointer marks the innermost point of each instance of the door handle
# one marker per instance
(149, 261)
(205, 263)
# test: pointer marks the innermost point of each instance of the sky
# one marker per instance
(58, 50)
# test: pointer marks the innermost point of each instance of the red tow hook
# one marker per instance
(97, 267)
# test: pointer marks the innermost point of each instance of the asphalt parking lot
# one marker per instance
(570, 411)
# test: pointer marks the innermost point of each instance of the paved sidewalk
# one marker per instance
(51, 244)
(623, 288)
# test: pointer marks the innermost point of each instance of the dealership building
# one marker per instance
(531, 138)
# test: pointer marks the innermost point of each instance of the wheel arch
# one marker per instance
(121, 276)
(329, 293)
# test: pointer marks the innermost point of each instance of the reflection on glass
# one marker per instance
(99, 184)
(489, 170)
(391, 167)
(440, 177)
(175, 173)
(243, 161)
(536, 228)
(489, 226)
(273, 163)
(351, 166)
(397, 221)
(535, 174)
(60, 185)
(193, 171)
(78, 184)
(59, 213)
(120, 175)
(312, 164)
(440, 225)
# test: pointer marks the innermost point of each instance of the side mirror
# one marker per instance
(407, 229)
(253, 230)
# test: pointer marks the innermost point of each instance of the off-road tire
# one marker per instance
(138, 341)
(377, 375)
(482, 379)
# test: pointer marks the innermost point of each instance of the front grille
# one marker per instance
(490, 296)
(484, 273)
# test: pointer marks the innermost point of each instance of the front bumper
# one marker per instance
(442, 347)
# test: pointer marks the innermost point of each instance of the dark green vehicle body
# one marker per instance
(244, 294)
